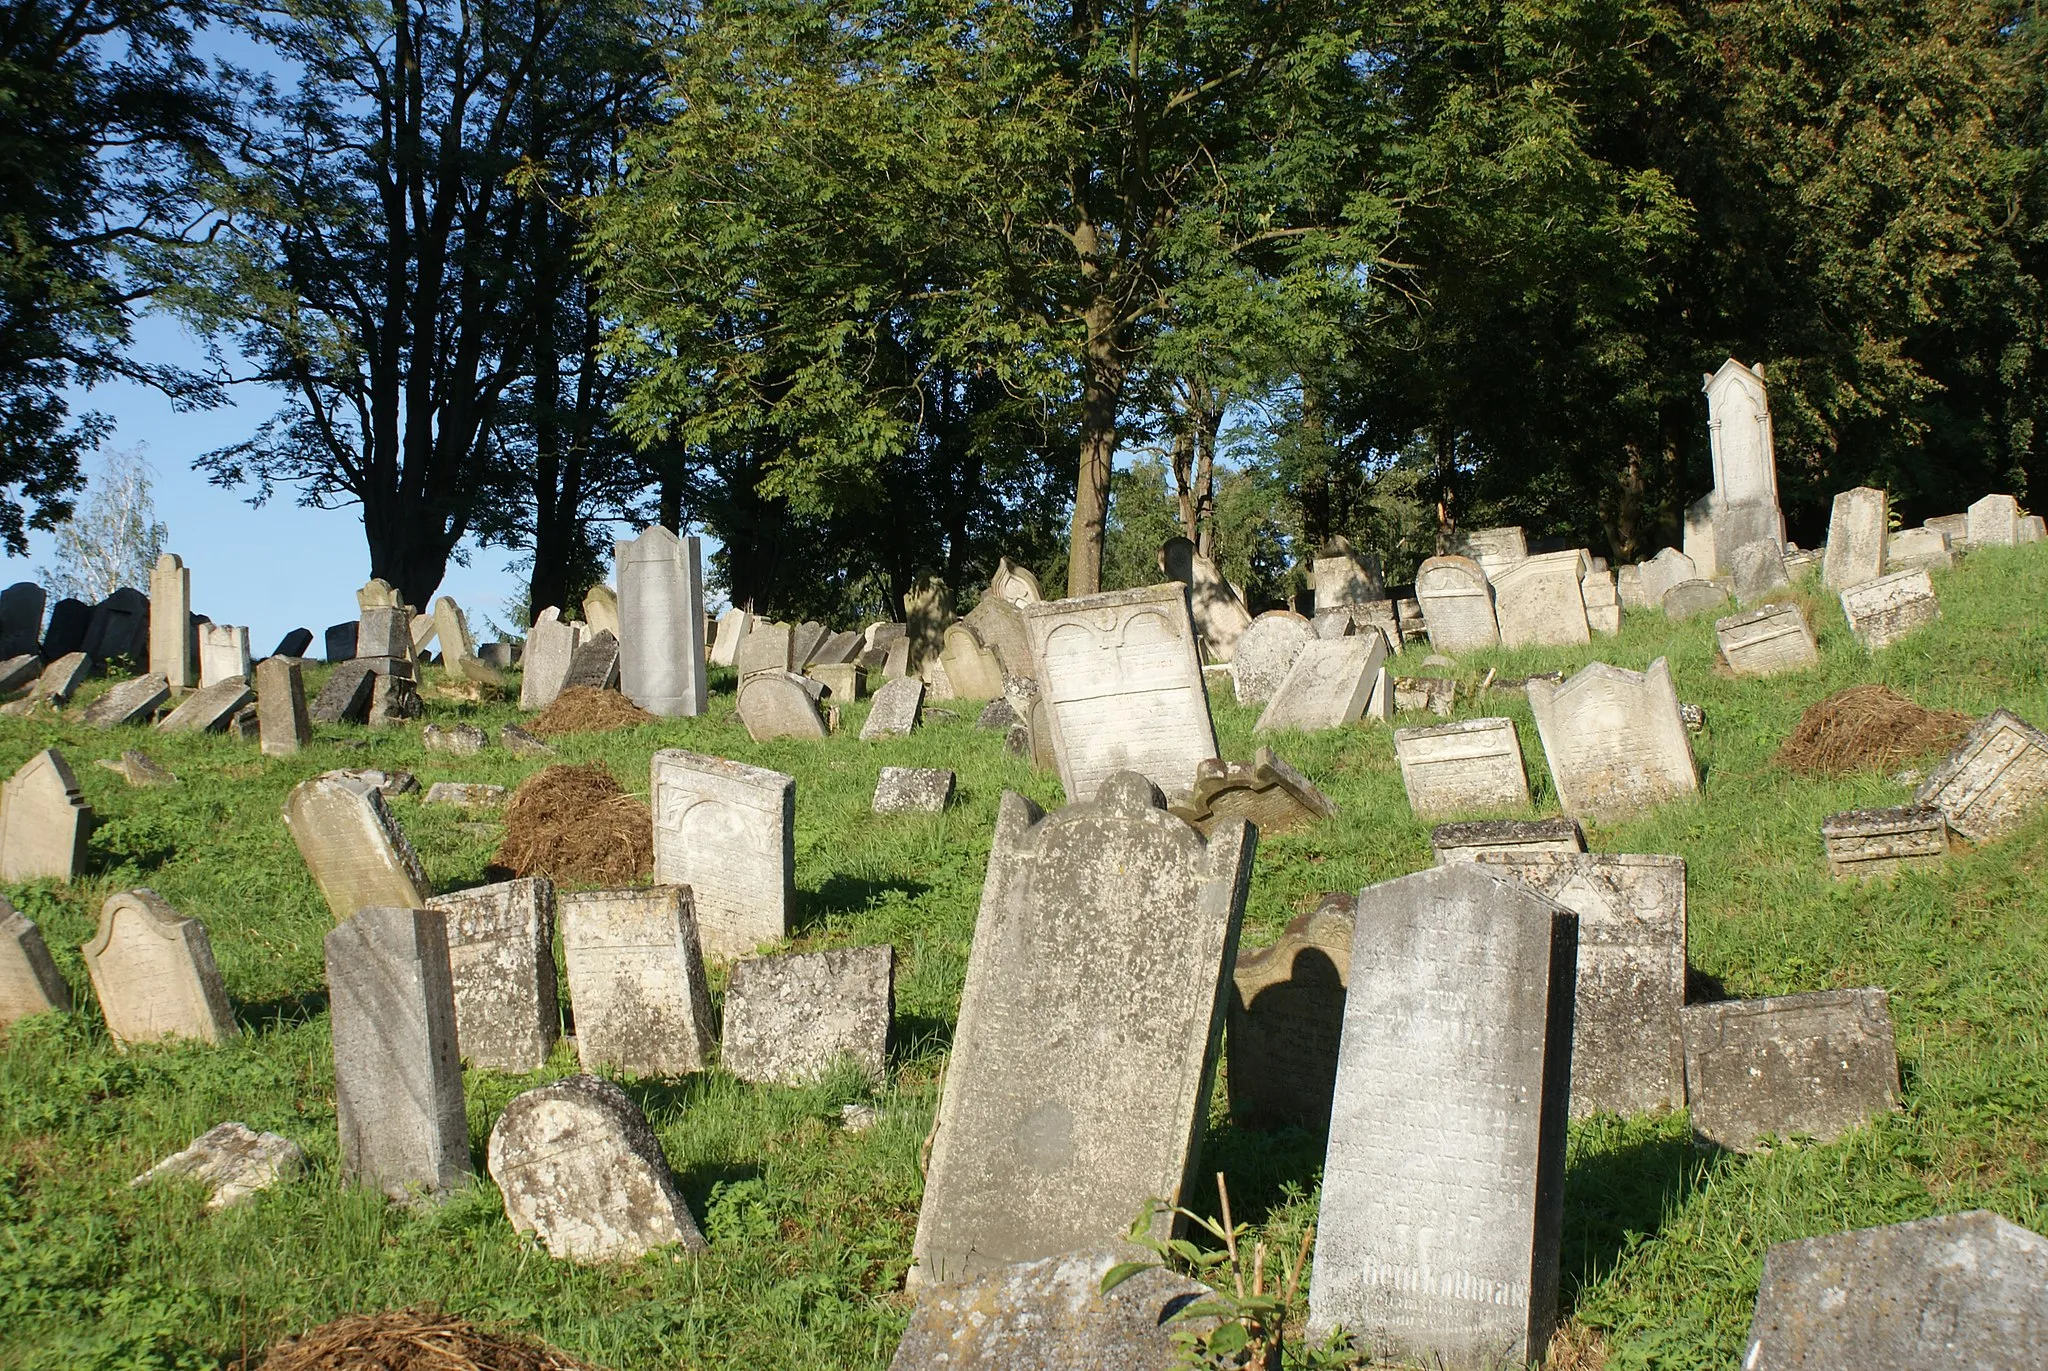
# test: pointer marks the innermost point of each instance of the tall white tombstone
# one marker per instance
(727, 831)
(1744, 504)
(661, 623)
(1615, 739)
(550, 646)
(1541, 601)
(1122, 687)
(170, 623)
(1457, 604)
(223, 653)
(1857, 530)
(153, 973)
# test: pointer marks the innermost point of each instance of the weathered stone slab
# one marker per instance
(501, 961)
(1266, 652)
(842, 682)
(45, 822)
(895, 710)
(1603, 602)
(1457, 603)
(1344, 577)
(1883, 611)
(136, 769)
(128, 702)
(779, 704)
(393, 700)
(1757, 570)
(594, 664)
(601, 611)
(1615, 739)
(2033, 528)
(1767, 641)
(550, 647)
(1454, 768)
(1328, 686)
(223, 653)
(1995, 780)
(355, 850)
(1993, 521)
(1016, 584)
(1540, 601)
(1668, 568)
(386, 626)
(1108, 928)
(1627, 1054)
(234, 1160)
(1857, 530)
(466, 794)
(208, 709)
(385, 783)
(1286, 1018)
(520, 743)
(999, 625)
(29, 980)
(789, 1020)
(1219, 616)
(1122, 687)
(21, 619)
(912, 790)
(346, 696)
(422, 636)
(728, 832)
(294, 643)
(1468, 842)
(283, 724)
(767, 647)
(1689, 599)
(170, 625)
(732, 631)
(1956, 527)
(1963, 1291)
(804, 641)
(1443, 1187)
(118, 630)
(458, 650)
(1494, 549)
(839, 649)
(1815, 1065)
(636, 980)
(927, 609)
(1866, 843)
(975, 672)
(661, 613)
(17, 672)
(1265, 792)
(580, 1169)
(62, 678)
(153, 973)
(1926, 548)
(397, 1068)
(464, 740)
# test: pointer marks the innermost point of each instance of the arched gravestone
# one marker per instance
(1457, 604)
(1286, 1018)
(1615, 739)
(21, 618)
(152, 970)
(1743, 506)
(727, 831)
(780, 704)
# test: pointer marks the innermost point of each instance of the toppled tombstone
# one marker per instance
(1329, 685)
(501, 955)
(346, 696)
(1615, 739)
(128, 702)
(1767, 641)
(17, 672)
(1863, 844)
(520, 743)
(463, 739)
(1265, 791)
(208, 709)
(234, 1160)
(580, 1169)
(137, 769)
(912, 790)
(62, 678)
(1815, 1065)
(294, 643)
(1286, 1018)
(790, 1019)
(385, 783)
(1995, 780)
(358, 855)
(636, 978)
(1470, 841)
(1452, 768)
(1882, 611)
(780, 704)
(44, 821)
(465, 794)
(1219, 615)
(29, 980)
(727, 831)
(894, 711)
(153, 973)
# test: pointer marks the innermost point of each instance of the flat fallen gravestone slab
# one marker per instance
(235, 1160)
(208, 709)
(128, 702)
(912, 790)
(1867, 843)
(1767, 641)
(1995, 780)
(789, 1020)
(1814, 1065)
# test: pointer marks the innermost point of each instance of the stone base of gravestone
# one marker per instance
(1266, 792)
(912, 790)
(1468, 842)
(1863, 844)
(1813, 1065)
(1287, 1017)
(234, 1160)
(789, 1020)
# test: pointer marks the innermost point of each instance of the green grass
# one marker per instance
(809, 1226)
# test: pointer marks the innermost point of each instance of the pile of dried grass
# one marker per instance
(1868, 726)
(586, 709)
(575, 823)
(411, 1340)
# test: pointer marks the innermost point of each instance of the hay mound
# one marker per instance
(586, 709)
(411, 1340)
(1868, 726)
(574, 823)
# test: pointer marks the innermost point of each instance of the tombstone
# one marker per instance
(1626, 1052)
(1757, 571)
(1956, 527)
(580, 1169)
(1494, 549)
(790, 1020)
(1816, 1065)
(458, 649)
(294, 643)
(385, 633)
(152, 972)
(804, 641)
(1767, 641)
(29, 980)
(466, 795)
(520, 743)
(601, 611)
(16, 672)
(1030, 1158)
(170, 626)
(233, 1161)
(21, 618)
(1965, 1290)
(356, 852)
(1031, 737)
(1602, 602)
(1265, 792)
(895, 710)
(1994, 782)
(464, 740)
(1874, 843)
(1286, 1017)
(1925, 548)
(780, 704)
(636, 980)
(550, 647)
(1615, 740)
(661, 613)
(1328, 687)
(1993, 521)
(1689, 599)
(1443, 1185)
(912, 790)
(1122, 687)
(1053, 1314)
(2033, 528)
(594, 665)
(896, 661)
(44, 822)
(422, 636)
(1467, 842)
(137, 769)
(65, 634)
(767, 647)
(341, 642)
(1457, 603)
(727, 831)
(208, 709)
(1014, 584)
(927, 609)
(1455, 768)
(732, 631)
(975, 672)
(397, 1069)
(838, 649)
(1539, 601)
(128, 702)
(1266, 652)
(1344, 578)
(1218, 613)
(999, 626)
(1857, 530)
(223, 653)
(1668, 568)
(346, 695)
(1744, 502)
(119, 629)
(62, 678)
(1883, 611)
(842, 683)
(501, 961)
(393, 700)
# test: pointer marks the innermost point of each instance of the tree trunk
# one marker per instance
(1209, 419)
(1102, 385)
(1445, 444)
(1184, 478)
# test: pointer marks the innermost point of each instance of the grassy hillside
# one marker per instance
(810, 1226)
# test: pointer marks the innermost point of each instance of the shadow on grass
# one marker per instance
(1265, 1169)
(284, 1012)
(917, 1037)
(846, 895)
(1616, 1198)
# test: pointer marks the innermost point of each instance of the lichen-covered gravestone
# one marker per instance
(44, 822)
(894, 711)
(501, 961)
(636, 980)
(1689, 599)
(1265, 792)
(661, 623)
(1453, 768)
(580, 1169)
(1541, 600)
(1328, 686)
(153, 973)
(346, 696)
(1287, 1017)
(1863, 844)
(281, 720)
(1108, 928)
(912, 790)
(780, 704)
(62, 678)
(727, 831)
(1467, 842)
(1882, 611)
(233, 1159)
(1856, 538)
(1615, 739)
(791, 1019)
(1266, 652)
(1767, 641)
(1816, 1064)
(29, 980)
(358, 855)
(128, 702)
(1995, 780)
(1457, 603)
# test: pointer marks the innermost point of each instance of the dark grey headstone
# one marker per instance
(346, 696)
(294, 643)
(119, 628)
(21, 619)
(595, 664)
(1814, 1065)
(341, 642)
(66, 631)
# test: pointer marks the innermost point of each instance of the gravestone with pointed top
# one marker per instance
(29, 980)
(636, 980)
(1615, 740)
(356, 852)
(44, 821)
(727, 831)
(1993, 521)
(1344, 577)
(550, 648)
(153, 973)
(661, 617)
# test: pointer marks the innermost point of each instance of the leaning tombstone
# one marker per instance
(894, 711)
(1626, 1045)
(580, 1169)
(1455, 768)
(1122, 686)
(208, 709)
(1265, 792)
(1857, 529)
(282, 723)
(1668, 568)
(727, 831)
(1286, 1017)
(1266, 652)
(21, 619)
(1863, 844)
(153, 973)
(1689, 599)
(1495, 549)
(975, 672)
(397, 1072)
(1883, 611)
(170, 623)
(340, 642)
(223, 653)
(1328, 686)
(1541, 601)
(1965, 1290)
(65, 633)
(1767, 641)
(1447, 1132)
(355, 850)
(458, 649)
(780, 704)
(16, 672)
(661, 617)
(233, 1161)
(29, 980)
(767, 647)
(1467, 842)
(294, 643)
(1615, 739)
(44, 821)
(346, 696)
(789, 1020)
(1993, 521)
(1457, 603)
(594, 665)
(732, 631)
(636, 980)
(501, 957)
(1925, 548)
(119, 629)
(1067, 949)
(804, 641)
(1814, 1065)
(62, 678)
(601, 611)
(1995, 781)
(1219, 615)
(1757, 571)
(128, 702)
(550, 647)
(1015, 584)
